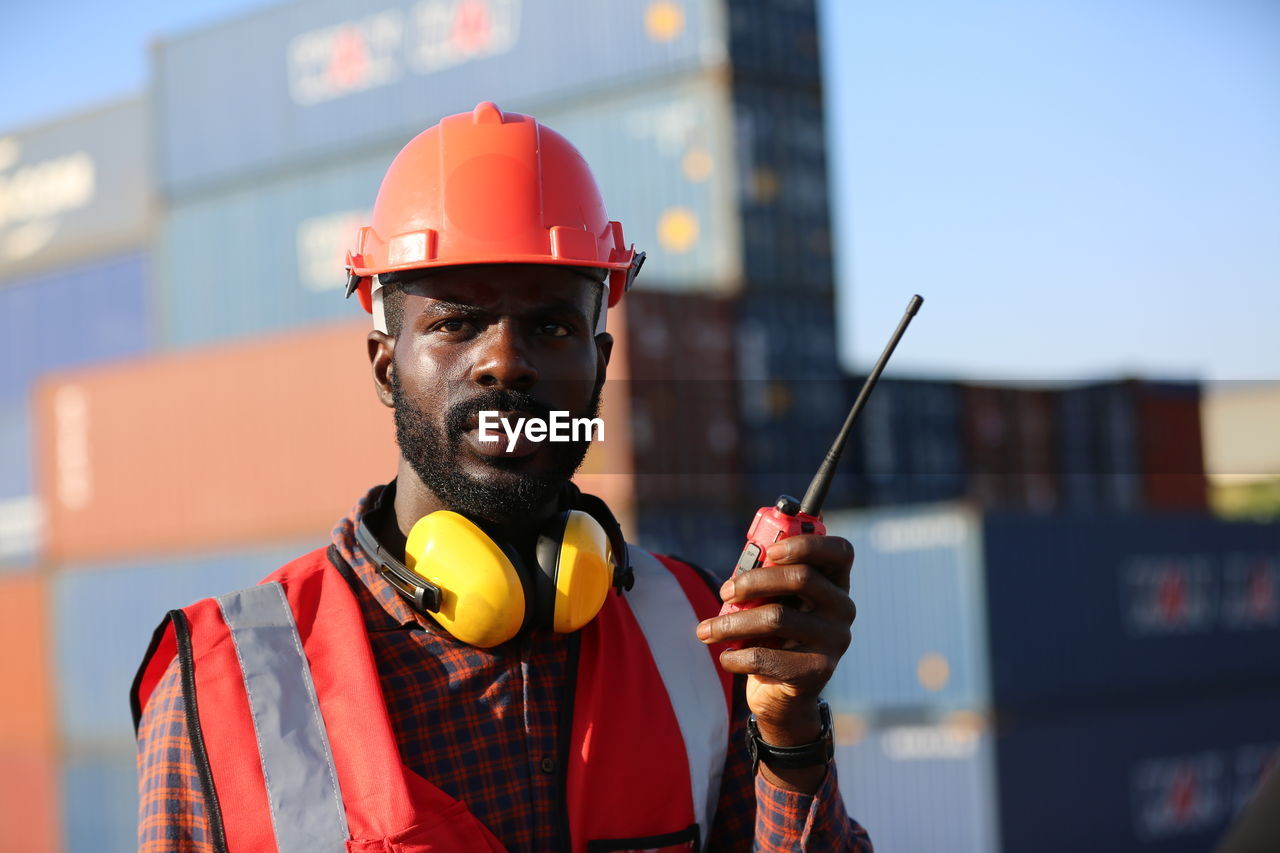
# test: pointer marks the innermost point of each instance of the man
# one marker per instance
(528, 681)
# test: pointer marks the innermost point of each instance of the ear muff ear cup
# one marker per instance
(575, 571)
(485, 594)
(482, 600)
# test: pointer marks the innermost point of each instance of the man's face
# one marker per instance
(512, 338)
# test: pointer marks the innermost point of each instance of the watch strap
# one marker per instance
(819, 752)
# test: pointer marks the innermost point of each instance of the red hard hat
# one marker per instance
(489, 187)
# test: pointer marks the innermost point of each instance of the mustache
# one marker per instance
(458, 414)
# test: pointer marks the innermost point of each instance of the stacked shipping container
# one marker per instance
(261, 459)
(106, 612)
(679, 116)
(320, 80)
(908, 446)
(264, 176)
(790, 395)
(703, 122)
(29, 814)
(75, 212)
(1127, 446)
(280, 167)
(75, 219)
(1020, 672)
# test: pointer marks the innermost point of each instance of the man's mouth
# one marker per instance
(508, 418)
(503, 434)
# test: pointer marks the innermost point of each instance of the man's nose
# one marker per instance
(502, 359)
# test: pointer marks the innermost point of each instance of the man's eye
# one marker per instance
(451, 325)
(556, 330)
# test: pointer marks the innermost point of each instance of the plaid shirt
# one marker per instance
(444, 697)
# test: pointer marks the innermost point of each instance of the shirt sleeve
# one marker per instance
(786, 820)
(171, 816)
(755, 814)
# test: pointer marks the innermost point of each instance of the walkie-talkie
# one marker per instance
(790, 517)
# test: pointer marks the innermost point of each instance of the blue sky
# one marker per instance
(1079, 188)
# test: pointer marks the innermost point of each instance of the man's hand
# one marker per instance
(809, 614)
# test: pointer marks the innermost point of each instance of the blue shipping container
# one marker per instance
(782, 189)
(315, 78)
(15, 450)
(103, 620)
(71, 317)
(958, 609)
(100, 801)
(792, 398)
(1163, 778)
(74, 189)
(919, 639)
(1098, 448)
(665, 161)
(923, 784)
(288, 237)
(709, 537)
(787, 335)
(787, 428)
(1167, 778)
(907, 445)
(661, 157)
(775, 41)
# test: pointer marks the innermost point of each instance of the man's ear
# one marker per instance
(382, 358)
(604, 344)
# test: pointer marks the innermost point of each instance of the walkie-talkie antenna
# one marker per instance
(817, 493)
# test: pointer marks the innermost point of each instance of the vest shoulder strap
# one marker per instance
(163, 648)
(668, 600)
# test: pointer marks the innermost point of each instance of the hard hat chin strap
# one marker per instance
(604, 308)
(379, 312)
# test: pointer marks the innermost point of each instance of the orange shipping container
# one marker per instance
(29, 814)
(26, 667)
(260, 441)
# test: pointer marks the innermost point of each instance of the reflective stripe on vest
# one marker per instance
(297, 763)
(693, 685)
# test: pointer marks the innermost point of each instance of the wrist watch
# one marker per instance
(821, 751)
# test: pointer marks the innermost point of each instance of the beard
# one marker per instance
(503, 495)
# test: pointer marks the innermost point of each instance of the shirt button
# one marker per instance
(548, 765)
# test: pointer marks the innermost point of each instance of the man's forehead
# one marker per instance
(489, 283)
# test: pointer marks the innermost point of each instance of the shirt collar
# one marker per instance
(388, 606)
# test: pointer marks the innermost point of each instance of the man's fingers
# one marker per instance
(802, 581)
(774, 620)
(798, 668)
(832, 555)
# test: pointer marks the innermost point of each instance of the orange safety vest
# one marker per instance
(297, 753)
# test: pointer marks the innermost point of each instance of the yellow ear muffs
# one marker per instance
(482, 601)
(576, 571)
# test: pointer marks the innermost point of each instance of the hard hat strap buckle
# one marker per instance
(353, 282)
(637, 261)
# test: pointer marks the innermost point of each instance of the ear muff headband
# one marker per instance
(422, 595)
(548, 553)
(623, 575)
